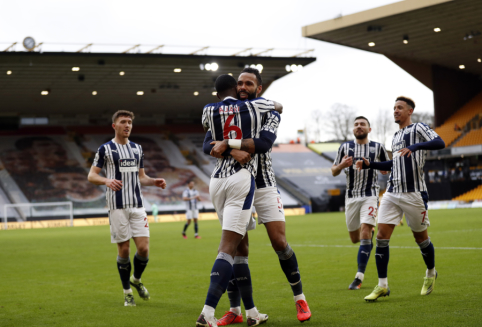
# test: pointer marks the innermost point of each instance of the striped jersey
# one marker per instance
(361, 183)
(235, 119)
(190, 204)
(265, 173)
(407, 173)
(122, 162)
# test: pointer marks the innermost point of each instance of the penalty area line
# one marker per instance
(391, 247)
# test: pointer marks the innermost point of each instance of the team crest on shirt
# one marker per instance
(408, 130)
(372, 149)
(135, 151)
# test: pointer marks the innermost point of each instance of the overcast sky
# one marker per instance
(366, 81)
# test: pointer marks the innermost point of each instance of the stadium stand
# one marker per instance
(473, 137)
(475, 194)
(455, 127)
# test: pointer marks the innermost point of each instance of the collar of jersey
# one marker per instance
(119, 143)
(229, 97)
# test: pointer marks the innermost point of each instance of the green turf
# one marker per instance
(68, 276)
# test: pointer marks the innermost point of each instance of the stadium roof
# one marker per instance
(442, 32)
(24, 75)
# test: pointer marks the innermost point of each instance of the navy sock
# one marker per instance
(220, 275)
(233, 292)
(243, 278)
(382, 254)
(289, 265)
(140, 264)
(195, 228)
(428, 253)
(124, 267)
(364, 254)
(185, 228)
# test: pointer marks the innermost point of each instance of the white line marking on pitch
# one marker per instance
(391, 246)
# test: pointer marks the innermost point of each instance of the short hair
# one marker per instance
(224, 83)
(407, 100)
(122, 113)
(254, 71)
(363, 117)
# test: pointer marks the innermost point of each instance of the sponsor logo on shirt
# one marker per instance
(398, 146)
(127, 165)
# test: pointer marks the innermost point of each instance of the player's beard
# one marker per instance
(251, 96)
(361, 136)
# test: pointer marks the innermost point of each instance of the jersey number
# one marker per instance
(234, 128)
(147, 224)
(424, 213)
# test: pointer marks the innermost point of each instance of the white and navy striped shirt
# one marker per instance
(407, 173)
(122, 162)
(361, 183)
(188, 193)
(265, 174)
(235, 119)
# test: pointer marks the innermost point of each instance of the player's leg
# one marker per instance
(140, 234)
(389, 216)
(352, 217)
(189, 217)
(121, 234)
(271, 213)
(367, 219)
(196, 228)
(236, 193)
(416, 214)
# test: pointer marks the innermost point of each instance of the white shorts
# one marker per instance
(361, 211)
(269, 207)
(190, 214)
(412, 204)
(232, 199)
(127, 223)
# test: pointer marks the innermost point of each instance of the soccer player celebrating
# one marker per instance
(361, 191)
(406, 193)
(269, 206)
(190, 196)
(124, 168)
(232, 186)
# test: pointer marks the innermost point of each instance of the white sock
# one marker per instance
(136, 280)
(208, 311)
(430, 273)
(383, 282)
(128, 291)
(236, 310)
(360, 276)
(252, 313)
(299, 297)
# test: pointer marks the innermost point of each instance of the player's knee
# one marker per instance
(279, 243)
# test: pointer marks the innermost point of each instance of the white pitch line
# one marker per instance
(391, 246)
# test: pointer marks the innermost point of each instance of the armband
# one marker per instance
(234, 144)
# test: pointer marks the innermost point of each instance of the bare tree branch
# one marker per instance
(339, 121)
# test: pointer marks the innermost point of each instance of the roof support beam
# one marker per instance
(202, 49)
(132, 48)
(11, 46)
(156, 48)
(86, 47)
(239, 52)
(264, 51)
(302, 53)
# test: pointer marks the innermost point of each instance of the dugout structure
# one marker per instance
(438, 42)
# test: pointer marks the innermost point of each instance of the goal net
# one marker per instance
(46, 211)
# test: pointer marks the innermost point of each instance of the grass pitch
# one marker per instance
(68, 276)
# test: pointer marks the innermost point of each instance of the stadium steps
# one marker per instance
(475, 194)
(460, 118)
(471, 138)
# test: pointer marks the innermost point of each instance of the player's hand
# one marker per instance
(113, 184)
(346, 162)
(160, 182)
(405, 151)
(384, 172)
(359, 164)
(219, 148)
(242, 157)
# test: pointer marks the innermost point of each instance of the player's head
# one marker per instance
(249, 84)
(190, 184)
(225, 86)
(361, 128)
(122, 123)
(403, 109)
